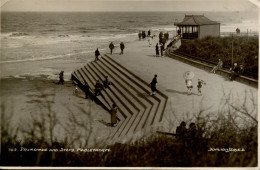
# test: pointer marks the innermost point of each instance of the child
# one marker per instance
(200, 83)
(189, 85)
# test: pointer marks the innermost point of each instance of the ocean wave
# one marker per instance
(50, 57)
(18, 34)
(58, 24)
(14, 34)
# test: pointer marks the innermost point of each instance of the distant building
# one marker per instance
(197, 26)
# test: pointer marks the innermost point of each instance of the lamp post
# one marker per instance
(232, 53)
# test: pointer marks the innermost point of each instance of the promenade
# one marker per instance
(139, 58)
(140, 114)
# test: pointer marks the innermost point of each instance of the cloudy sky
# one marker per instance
(128, 5)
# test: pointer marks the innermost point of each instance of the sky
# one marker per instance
(128, 5)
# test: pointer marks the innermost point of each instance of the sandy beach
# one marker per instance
(23, 95)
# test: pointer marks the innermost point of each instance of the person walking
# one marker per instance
(149, 33)
(113, 112)
(188, 75)
(153, 85)
(162, 49)
(200, 83)
(97, 53)
(86, 90)
(140, 35)
(61, 78)
(122, 47)
(111, 46)
(157, 50)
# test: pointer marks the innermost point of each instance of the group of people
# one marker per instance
(163, 38)
(142, 35)
(190, 86)
(236, 71)
(98, 87)
(188, 135)
(122, 47)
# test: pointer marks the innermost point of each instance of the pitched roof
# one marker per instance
(196, 20)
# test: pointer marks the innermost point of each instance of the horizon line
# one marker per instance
(132, 11)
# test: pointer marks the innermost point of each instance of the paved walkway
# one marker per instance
(139, 58)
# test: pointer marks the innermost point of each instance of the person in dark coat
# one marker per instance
(179, 31)
(153, 85)
(98, 88)
(86, 90)
(162, 49)
(181, 131)
(113, 112)
(111, 46)
(61, 78)
(234, 72)
(160, 37)
(144, 35)
(241, 69)
(106, 82)
(157, 50)
(192, 136)
(149, 33)
(97, 54)
(122, 47)
(167, 36)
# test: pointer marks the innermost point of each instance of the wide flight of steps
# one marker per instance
(137, 110)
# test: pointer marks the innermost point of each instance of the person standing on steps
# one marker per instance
(86, 90)
(157, 50)
(111, 46)
(122, 47)
(113, 112)
(106, 82)
(153, 85)
(97, 53)
(98, 88)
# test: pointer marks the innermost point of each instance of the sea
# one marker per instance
(35, 36)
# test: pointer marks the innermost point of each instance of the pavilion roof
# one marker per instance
(196, 20)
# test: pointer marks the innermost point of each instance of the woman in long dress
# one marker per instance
(113, 112)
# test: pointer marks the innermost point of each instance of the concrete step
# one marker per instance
(123, 89)
(135, 90)
(112, 93)
(120, 100)
(160, 97)
(121, 112)
(86, 78)
(158, 101)
(123, 86)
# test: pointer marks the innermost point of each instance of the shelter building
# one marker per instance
(197, 26)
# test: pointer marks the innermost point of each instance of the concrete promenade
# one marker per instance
(139, 58)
